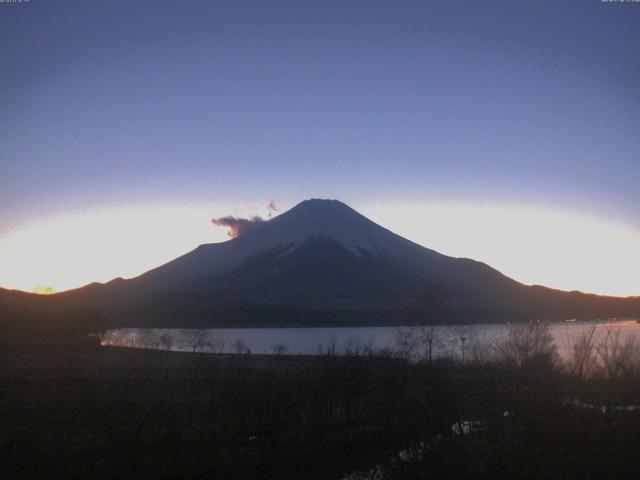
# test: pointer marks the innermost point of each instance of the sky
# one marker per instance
(504, 131)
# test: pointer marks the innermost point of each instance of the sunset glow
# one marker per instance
(531, 244)
(249, 239)
(73, 250)
(468, 129)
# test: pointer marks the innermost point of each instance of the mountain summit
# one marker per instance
(320, 221)
(323, 263)
(332, 219)
(318, 249)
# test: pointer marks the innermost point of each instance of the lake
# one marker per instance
(350, 340)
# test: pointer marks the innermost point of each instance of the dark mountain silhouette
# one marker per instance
(319, 263)
(321, 250)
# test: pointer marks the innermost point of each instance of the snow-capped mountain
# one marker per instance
(323, 263)
(320, 248)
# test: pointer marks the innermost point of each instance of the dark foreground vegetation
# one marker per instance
(80, 411)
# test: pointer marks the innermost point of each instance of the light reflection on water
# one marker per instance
(341, 340)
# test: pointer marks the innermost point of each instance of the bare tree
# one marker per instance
(240, 346)
(617, 357)
(353, 347)
(429, 341)
(453, 340)
(582, 359)
(149, 338)
(166, 340)
(217, 342)
(424, 340)
(368, 347)
(528, 343)
(406, 343)
(480, 347)
(332, 347)
(419, 343)
(279, 349)
(196, 338)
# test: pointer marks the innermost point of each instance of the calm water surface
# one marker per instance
(342, 340)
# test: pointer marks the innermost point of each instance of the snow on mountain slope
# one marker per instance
(312, 218)
(323, 263)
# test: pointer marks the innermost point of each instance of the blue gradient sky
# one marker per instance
(117, 103)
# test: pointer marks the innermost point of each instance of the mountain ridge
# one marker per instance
(324, 263)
